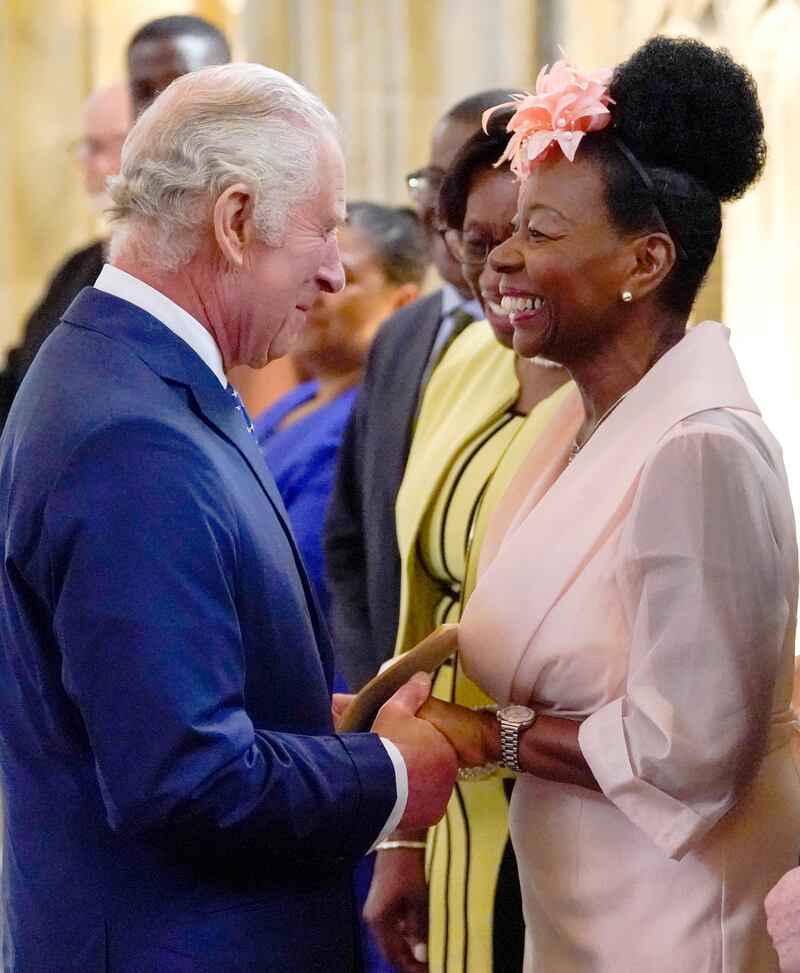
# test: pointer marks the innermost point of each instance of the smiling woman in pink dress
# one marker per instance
(638, 589)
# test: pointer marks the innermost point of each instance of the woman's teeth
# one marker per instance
(513, 305)
(498, 309)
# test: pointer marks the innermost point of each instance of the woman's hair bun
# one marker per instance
(683, 105)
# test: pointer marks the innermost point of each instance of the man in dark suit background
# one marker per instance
(159, 52)
(167, 48)
(362, 558)
(169, 766)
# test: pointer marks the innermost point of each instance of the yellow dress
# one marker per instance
(467, 445)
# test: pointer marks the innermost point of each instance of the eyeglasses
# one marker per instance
(424, 185)
(472, 251)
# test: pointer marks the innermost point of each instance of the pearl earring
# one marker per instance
(627, 297)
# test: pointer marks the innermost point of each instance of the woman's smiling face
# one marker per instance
(488, 221)
(561, 271)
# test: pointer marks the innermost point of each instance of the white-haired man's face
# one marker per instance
(267, 290)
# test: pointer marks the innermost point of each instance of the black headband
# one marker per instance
(647, 182)
(640, 169)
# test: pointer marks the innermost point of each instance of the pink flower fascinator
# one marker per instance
(567, 105)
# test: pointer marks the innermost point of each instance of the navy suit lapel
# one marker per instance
(418, 359)
(410, 367)
(217, 408)
(219, 411)
(172, 359)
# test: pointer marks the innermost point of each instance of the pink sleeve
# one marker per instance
(707, 596)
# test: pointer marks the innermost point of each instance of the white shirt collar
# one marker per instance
(120, 284)
(453, 301)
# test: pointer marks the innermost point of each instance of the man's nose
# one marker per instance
(331, 272)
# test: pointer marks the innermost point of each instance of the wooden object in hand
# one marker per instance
(427, 656)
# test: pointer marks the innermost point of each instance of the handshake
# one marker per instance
(435, 738)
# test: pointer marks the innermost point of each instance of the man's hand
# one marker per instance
(430, 760)
(339, 703)
(397, 908)
(474, 736)
(783, 920)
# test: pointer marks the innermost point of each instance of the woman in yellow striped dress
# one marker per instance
(481, 411)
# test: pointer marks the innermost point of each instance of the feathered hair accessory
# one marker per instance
(567, 105)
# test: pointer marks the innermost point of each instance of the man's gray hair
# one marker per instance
(209, 130)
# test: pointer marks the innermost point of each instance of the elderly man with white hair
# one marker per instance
(175, 796)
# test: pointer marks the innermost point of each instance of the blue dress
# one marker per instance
(302, 458)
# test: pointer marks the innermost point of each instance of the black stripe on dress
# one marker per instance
(502, 422)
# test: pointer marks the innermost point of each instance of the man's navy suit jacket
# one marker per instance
(175, 798)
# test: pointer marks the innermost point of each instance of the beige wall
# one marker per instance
(42, 83)
(390, 68)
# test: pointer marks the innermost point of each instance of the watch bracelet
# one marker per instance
(509, 747)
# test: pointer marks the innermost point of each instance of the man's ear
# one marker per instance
(233, 223)
(654, 257)
(404, 294)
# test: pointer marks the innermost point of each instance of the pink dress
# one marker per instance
(649, 590)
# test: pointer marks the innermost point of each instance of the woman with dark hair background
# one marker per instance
(482, 409)
(637, 592)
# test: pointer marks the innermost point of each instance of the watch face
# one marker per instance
(516, 714)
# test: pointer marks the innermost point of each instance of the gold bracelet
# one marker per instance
(391, 843)
(468, 775)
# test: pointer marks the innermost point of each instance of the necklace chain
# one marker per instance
(574, 449)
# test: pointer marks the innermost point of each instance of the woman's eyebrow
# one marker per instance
(537, 207)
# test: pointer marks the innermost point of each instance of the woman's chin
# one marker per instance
(532, 331)
(502, 328)
(527, 345)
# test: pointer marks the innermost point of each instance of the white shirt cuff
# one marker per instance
(401, 783)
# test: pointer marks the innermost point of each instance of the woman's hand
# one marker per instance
(475, 736)
(397, 908)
